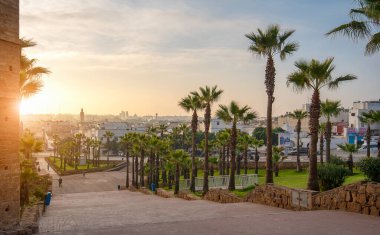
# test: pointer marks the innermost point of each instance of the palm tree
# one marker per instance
(177, 157)
(365, 24)
(30, 75)
(298, 115)
(232, 114)
(257, 144)
(315, 75)
(191, 103)
(207, 96)
(163, 128)
(125, 141)
(350, 149)
(268, 44)
(277, 158)
(78, 140)
(322, 132)
(56, 140)
(370, 118)
(329, 109)
(223, 137)
(245, 141)
(108, 135)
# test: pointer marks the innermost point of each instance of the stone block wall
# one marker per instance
(282, 197)
(9, 116)
(221, 196)
(363, 197)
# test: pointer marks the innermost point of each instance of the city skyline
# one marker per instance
(144, 56)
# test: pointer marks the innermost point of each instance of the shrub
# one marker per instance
(39, 193)
(371, 168)
(331, 176)
(337, 161)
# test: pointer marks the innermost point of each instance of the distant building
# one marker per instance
(81, 115)
(119, 129)
(356, 130)
(217, 125)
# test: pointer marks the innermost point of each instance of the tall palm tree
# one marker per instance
(350, 149)
(125, 142)
(370, 118)
(329, 109)
(322, 132)
(207, 96)
(108, 135)
(163, 128)
(315, 75)
(223, 137)
(268, 44)
(192, 103)
(30, 75)
(56, 140)
(257, 144)
(232, 114)
(365, 24)
(299, 115)
(277, 158)
(245, 141)
(177, 157)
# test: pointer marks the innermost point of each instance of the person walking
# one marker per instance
(48, 166)
(60, 182)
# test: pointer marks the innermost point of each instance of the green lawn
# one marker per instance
(68, 167)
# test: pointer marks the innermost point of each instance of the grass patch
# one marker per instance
(243, 192)
(69, 168)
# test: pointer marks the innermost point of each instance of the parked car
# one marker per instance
(363, 148)
(303, 151)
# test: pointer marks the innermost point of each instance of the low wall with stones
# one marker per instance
(362, 197)
(221, 196)
(282, 197)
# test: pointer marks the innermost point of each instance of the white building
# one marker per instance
(360, 107)
(119, 129)
(217, 125)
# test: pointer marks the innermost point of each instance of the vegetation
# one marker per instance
(331, 176)
(371, 168)
(315, 75)
(299, 115)
(350, 149)
(267, 44)
(369, 118)
(364, 24)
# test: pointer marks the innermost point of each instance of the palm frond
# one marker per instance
(335, 83)
(373, 45)
(354, 29)
(31, 88)
(288, 49)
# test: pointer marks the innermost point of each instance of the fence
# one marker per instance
(241, 182)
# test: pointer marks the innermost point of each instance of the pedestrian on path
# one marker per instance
(60, 182)
(84, 174)
(48, 166)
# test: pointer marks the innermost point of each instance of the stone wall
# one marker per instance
(360, 197)
(9, 116)
(221, 196)
(282, 197)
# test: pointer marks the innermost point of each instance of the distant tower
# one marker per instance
(81, 115)
(9, 115)
(156, 116)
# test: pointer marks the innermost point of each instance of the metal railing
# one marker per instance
(222, 181)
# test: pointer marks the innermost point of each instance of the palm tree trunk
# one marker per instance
(61, 161)
(224, 160)
(207, 127)
(228, 161)
(231, 185)
(142, 183)
(127, 166)
(368, 136)
(245, 161)
(313, 125)
(157, 170)
(321, 147)
(136, 171)
(220, 162)
(212, 170)
(299, 168)
(176, 188)
(257, 158)
(238, 164)
(350, 164)
(270, 74)
(328, 140)
(133, 170)
(194, 124)
(164, 175)
(378, 147)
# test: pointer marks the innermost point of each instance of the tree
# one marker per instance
(277, 158)
(56, 140)
(299, 115)
(268, 44)
(233, 114)
(370, 118)
(329, 109)
(177, 157)
(30, 75)
(207, 96)
(322, 131)
(125, 142)
(29, 144)
(315, 75)
(257, 144)
(223, 138)
(350, 149)
(365, 24)
(108, 135)
(245, 141)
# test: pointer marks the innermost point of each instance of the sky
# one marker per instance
(143, 56)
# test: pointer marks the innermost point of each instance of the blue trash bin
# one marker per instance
(47, 198)
(153, 187)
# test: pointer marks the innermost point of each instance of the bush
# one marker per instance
(39, 193)
(337, 161)
(371, 168)
(331, 176)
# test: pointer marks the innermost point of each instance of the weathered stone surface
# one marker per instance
(378, 202)
(222, 196)
(366, 210)
(362, 199)
(348, 196)
(9, 117)
(374, 211)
